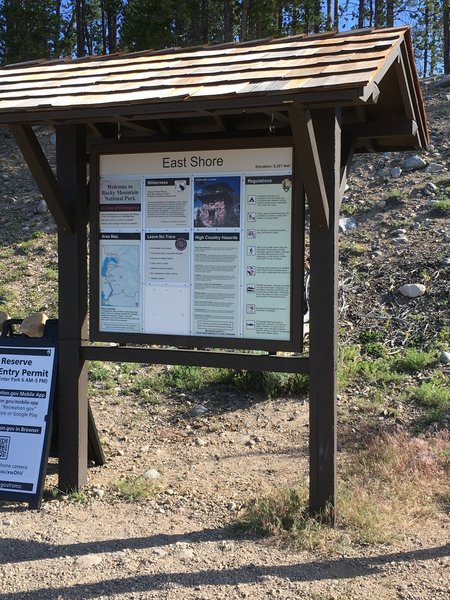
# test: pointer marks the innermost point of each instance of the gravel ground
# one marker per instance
(179, 543)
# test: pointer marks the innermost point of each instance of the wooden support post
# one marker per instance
(72, 255)
(323, 323)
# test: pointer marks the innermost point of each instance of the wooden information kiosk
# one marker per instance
(179, 157)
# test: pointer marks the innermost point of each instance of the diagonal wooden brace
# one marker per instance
(43, 175)
(309, 164)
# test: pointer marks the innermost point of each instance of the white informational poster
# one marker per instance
(196, 243)
(26, 376)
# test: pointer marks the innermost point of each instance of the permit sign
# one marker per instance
(27, 381)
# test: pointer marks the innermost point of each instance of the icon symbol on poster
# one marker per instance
(180, 244)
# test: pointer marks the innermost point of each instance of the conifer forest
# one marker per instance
(36, 29)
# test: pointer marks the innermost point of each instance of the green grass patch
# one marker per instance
(413, 360)
(284, 515)
(370, 362)
(195, 379)
(434, 396)
(178, 378)
(100, 371)
(443, 456)
(348, 365)
(380, 371)
(441, 208)
(271, 384)
(72, 495)
(136, 489)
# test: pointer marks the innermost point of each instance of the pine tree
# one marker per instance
(446, 35)
(28, 30)
(110, 11)
(150, 24)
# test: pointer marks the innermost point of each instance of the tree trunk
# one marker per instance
(446, 36)
(111, 18)
(378, 15)
(336, 15)
(329, 16)
(79, 17)
(389, 13)
(228, 21)
(279, 15)
(204, 21)
(104, 29)
(361, 13)
(426, 39)
(317, 15)
(194, 34)
(244, 20)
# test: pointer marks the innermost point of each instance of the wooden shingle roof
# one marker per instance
(357, 68)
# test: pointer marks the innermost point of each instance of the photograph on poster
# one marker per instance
(217, 201)
(287, 184)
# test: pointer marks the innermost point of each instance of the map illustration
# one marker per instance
(120, 280)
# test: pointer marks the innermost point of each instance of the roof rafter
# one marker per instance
(310, 168)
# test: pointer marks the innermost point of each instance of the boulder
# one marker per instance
(33, 326)
(412, 290)
(347, 224)
(443, 83)
(414, 163)
(435, 168)
(444, 358)
(152, 474)
(41, 207)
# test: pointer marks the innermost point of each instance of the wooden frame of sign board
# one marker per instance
(149, 149)
(31, 347)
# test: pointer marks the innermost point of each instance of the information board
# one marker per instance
(195, 243)
(27, 379)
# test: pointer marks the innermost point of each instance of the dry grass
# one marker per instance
(395, 482)
(382, 492)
